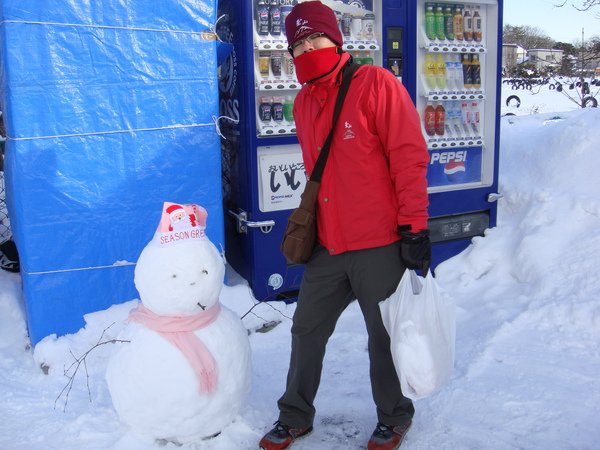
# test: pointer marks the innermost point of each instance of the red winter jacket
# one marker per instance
(375, 175)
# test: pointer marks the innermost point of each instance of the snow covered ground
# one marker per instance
(528, 327)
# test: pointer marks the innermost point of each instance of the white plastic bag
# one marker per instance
(421, 323)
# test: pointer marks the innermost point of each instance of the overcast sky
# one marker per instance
(562, 24)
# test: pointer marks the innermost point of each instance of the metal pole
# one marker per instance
(582, 64)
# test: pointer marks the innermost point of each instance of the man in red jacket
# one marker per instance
(371, 219)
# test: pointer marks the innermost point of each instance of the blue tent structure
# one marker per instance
(109, 110)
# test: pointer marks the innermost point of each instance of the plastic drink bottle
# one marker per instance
(457, 119)
(429, 22)
(448, 23)
(439, 121)
(453, 73)
(458, 72)
(477, 26)
(453, 115)
(288, 108)
(277, 109)
(475, 117)
(366, 59)
(265, 109)
(440, 72)
(475, 72)
(468, 25)
(440, 33)
(450, 118)
(447, 119)
(458, 24)
(450, 77)
(274, 18)
(466, 116)
(467, 71)
(430, 71)
(447, 124)
(262, 18)
(429, 120)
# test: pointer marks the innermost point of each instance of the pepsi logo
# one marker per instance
(455, 171)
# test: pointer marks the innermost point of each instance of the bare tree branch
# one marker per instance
(260, 303)
(74, 367)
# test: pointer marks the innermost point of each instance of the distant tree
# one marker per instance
(593, 45)
(568, 49)
(526, 36)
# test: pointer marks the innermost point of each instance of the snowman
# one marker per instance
(185, 371)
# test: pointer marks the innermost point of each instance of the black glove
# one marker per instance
(415, 249)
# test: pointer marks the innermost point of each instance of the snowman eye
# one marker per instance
(174, 276)
(205, 272)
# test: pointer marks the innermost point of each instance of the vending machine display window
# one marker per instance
(457, 107)
(275, 83)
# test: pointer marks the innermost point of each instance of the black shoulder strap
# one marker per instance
(348, 72)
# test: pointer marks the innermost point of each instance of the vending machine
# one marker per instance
(458, 97)
(446, 54)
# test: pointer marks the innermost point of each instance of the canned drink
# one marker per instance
(346, 24)
(277, 109)
(368, 26)
(264, 61)
(265, 109)
(285, 10)
(276, 63)
(338, 19)
(288, 64)
(357, 26)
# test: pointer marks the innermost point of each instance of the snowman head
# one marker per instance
(180, 272)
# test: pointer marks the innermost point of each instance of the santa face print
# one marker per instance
(177, 220)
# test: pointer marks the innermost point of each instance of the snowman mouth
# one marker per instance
(201, 306)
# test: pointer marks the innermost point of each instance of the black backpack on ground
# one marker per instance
(9, 257)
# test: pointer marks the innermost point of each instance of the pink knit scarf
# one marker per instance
(178, 331)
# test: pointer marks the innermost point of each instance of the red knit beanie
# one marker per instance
(312, 17)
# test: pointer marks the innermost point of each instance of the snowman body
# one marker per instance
(153, 386)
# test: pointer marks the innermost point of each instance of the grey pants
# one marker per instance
(329, 284)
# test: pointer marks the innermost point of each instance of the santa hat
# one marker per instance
(312, 17)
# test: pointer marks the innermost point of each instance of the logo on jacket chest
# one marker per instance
(348, 133)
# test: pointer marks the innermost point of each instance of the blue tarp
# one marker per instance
(109, 112)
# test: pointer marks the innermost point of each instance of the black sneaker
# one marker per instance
(388, 438)
(282, 436)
